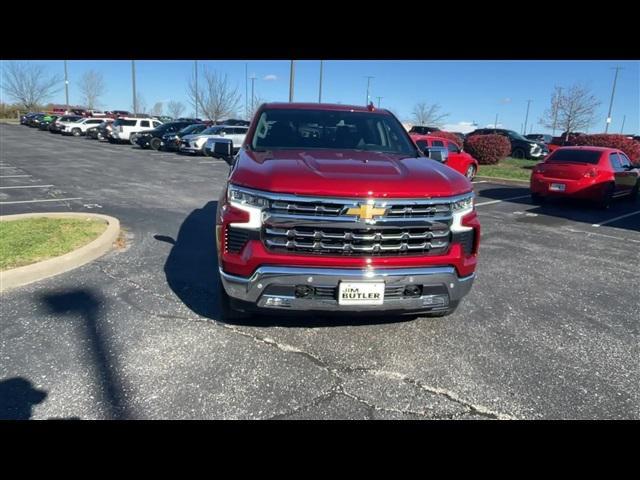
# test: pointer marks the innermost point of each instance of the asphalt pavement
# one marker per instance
(550, 329)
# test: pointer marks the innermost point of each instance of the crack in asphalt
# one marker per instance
(338, 387)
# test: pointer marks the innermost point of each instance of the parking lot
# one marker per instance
(550, 329)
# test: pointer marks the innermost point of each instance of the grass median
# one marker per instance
(511, 168)
(31, 240)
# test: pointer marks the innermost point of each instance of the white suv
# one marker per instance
(124, 127)
(196, 143)
(80, 127)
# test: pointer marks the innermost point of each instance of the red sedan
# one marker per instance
(458, 160)
(590, 173)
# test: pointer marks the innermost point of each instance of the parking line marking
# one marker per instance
(614, 219)
(28, 186)
(14, 176)
(502, 200)
(38, 201)
(480, 181)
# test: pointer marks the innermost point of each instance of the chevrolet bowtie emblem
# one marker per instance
(366, 211)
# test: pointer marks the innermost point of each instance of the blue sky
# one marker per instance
(470, 91)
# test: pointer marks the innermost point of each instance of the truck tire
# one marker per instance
(227, 312)
(453, 306)
(518, 153)
(155, 143)
(76, 132)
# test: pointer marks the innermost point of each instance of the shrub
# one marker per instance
(449, 136)
(627, 145)
(487, 149)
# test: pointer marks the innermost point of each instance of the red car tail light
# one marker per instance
(592, 173)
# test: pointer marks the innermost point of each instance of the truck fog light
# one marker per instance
(435, 300)
(302, 291)
(278, 301)
(412, 290)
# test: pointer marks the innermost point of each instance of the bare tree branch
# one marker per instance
(571, 110)
(175, 109)
(28, 84)
(425, 114)
(253, 106)
(91, 87)
(157, 109)
(215, 96)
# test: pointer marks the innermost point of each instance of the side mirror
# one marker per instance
(441, 154)
(220, 148)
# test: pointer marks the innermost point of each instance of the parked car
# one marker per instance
(124, 127)
(195, 143)
(153, 138)
(423, 130)
(80, 127)
(24, 119)
(164, 118)
(171, 141)
(46, 122)
(102, 131)
(457, 159)
(56, 126)
(592, 173)
(520, 147)
(539, 137)
(34, 121)
(352, 219)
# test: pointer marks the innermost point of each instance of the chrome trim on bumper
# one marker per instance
(250, 289)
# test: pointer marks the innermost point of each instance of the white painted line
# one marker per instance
(13, 176)
(503, 200)
(617, 218)
(480, 181)
(28, 186)
(38, 201)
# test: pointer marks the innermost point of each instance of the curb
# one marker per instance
(17, 277)
(499, 180)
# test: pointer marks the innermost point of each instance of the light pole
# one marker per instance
(622, 128)
(133, 83)
(555, 110)
(253, 79)
(495, 125)
(246, 91)
(526, 118)
(291, 77)
(613, 91)
(368, 83)
(66, 86)
(379, 98)
(320, 87)
(196, 68)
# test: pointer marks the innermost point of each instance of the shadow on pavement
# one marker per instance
(86, 306)
(191, 270)
(568, 209)
(18, 397)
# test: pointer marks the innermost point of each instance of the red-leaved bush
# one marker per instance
(449, 136)
(627, 145)
(487, 149)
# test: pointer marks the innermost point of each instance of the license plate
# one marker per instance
(365, 293)
(557, 187)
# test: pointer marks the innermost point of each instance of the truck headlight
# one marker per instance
(463, 204)
(460, 208)
(250, 202)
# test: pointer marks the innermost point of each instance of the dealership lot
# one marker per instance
(550, 329)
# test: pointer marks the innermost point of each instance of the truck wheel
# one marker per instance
(518, 153)
(452, 308)
(76, 132)
(471, 172)
(155, 143)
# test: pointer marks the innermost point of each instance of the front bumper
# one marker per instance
(440, 288)
(189, 149)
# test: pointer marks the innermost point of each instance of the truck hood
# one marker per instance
(197, 136)
(346, 173)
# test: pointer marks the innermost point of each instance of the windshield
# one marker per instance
(212, 130)
(575, 156)
(330, 129)
(515, 135)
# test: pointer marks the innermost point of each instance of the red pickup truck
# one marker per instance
(333, 208)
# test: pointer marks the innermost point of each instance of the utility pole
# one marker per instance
(196, 67)
(368, 83)
(291, 77)
(622, 128)
(613, 91)
(526, 118)
(379, 98)
(320, 88)
(253, 79)
(66, 85)
(555, 108)
(133, 82)
(495, 125)
(246, 91)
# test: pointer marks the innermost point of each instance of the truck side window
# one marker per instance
(624, 160)
(144, 123)
(615, 161)
(437, 143)
(453, 148)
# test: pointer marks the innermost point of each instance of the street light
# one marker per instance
(291, 77)
(66, 85)
(379, 98)
(320, 87)
(253, 80)
(613, 91)
(368, 83)
(526, 118)
(133, 82)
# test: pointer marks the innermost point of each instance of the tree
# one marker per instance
(91, 87)
(157, 109)
(425, 114)
(141, 104)
(28, 84)
(572, 109)
(175, 109)
(253, 106)
(215, 96)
